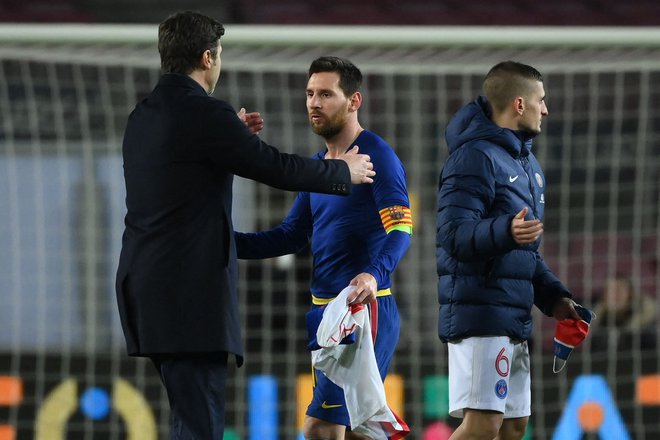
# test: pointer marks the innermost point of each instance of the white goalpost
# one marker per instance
(65, 94)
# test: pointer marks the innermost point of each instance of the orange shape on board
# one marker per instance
(394, 393)
(11, 390)
(648, 390)
(304, 393)
(7, 432)
(591, 416)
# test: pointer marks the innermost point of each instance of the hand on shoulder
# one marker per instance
(360, 166)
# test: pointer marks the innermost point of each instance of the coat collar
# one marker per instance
(473, 122)
(181, 80)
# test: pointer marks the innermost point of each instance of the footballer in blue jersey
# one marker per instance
(357, 239)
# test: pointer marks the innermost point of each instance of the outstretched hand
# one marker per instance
(525, 231)
(360, 166)
(252, 120)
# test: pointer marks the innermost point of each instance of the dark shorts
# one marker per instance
(328, 402)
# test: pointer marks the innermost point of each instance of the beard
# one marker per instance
(329, 128)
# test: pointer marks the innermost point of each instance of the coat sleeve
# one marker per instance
(465, 196)
(230, 144)
(547, 287)
(289, 237)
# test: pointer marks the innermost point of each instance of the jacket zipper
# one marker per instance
(524, 161)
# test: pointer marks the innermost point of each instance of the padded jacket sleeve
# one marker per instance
(547, 287)
(467, 190)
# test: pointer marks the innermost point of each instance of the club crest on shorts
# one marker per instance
(501, 389)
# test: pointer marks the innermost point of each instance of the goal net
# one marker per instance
(65, 93)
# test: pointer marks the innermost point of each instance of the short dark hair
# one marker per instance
(507, 80)
(350, 77)
(183, 38)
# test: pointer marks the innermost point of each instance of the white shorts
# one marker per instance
(489, 373)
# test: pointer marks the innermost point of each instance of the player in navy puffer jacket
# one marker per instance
(490, 206)
(487, 282)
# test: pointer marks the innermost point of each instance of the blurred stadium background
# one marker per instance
(65, 92)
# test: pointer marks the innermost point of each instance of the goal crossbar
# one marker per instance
(350, 36)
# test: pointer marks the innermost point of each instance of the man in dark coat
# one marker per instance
(176, 281)
(490, 205)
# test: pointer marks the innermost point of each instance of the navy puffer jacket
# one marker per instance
(487, 283)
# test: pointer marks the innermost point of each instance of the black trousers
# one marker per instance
(195, 385)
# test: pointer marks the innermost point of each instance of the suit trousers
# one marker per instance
(195, 385)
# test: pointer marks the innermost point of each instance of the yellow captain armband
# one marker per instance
(396, 218)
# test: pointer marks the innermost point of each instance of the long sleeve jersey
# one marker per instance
(367, 231)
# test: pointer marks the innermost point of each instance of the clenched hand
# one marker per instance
(365, 289)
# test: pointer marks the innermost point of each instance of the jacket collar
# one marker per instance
(181, 80)
(473, 123)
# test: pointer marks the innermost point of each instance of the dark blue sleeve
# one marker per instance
(289, 237)
(395, 246)
(465, 195)
(389, 189)
(547, 287)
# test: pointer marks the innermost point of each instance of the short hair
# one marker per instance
(507, 80)
(183, 38)
(350, 77)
